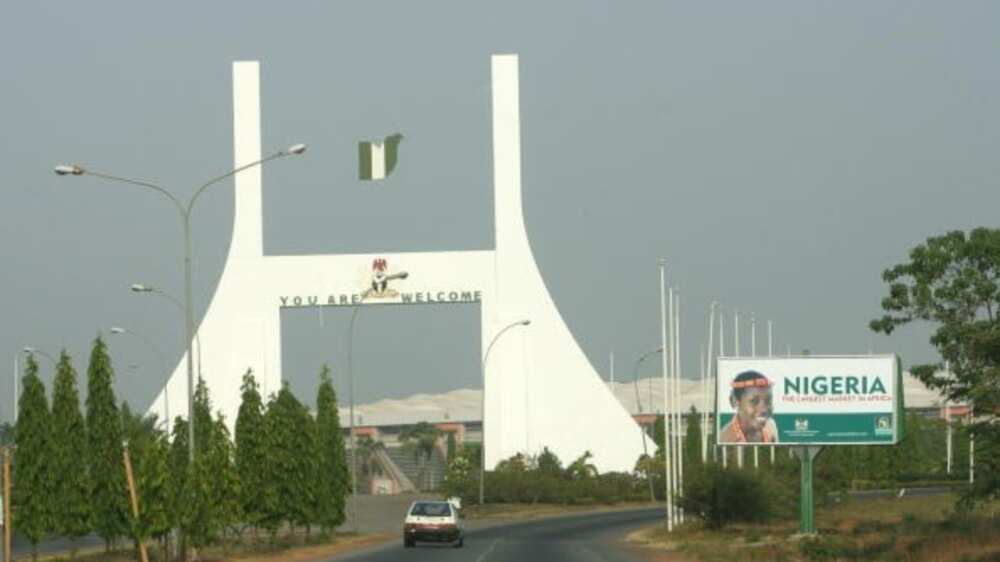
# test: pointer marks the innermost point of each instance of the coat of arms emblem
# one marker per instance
(380, 281)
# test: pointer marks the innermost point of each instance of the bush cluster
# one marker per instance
(283, 468)
(540, 479)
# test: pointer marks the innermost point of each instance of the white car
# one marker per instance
(433, 521)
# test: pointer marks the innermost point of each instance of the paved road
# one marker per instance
(577, 538)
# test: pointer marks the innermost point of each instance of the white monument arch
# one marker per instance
(540, 388)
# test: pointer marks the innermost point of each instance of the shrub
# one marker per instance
(722, 496)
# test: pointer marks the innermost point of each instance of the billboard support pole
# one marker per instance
(807, 521)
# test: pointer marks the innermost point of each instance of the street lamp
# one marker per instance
(482, 407)
(350, 392)
(149, 289)
(638, 403)
(27, 350)
(184, 213)
(35, 351)
(163, 359)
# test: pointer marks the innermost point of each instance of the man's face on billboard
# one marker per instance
(754, 408)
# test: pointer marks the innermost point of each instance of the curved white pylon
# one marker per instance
(540, 388)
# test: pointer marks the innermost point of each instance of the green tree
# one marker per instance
(34, 499)
(178, 461)
(549, 463)
(108, 499)
(210, 495)
(659, 436)
(582, 467)
(149, 454)
(692, 438)
(953, 283)
(451, 445)
(368, 464)
(421, 439)
(293, 446)
(227, 486)
(6, 433)
(69, 458)
(257, 494)
(334, 478)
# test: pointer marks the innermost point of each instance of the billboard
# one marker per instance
(844, 400)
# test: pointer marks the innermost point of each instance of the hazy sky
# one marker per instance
(780, 155)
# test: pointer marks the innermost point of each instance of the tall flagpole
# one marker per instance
(666, 400)
(705, 384)
(668, 419)
(753, 352)
(612, 370)
(770, 353)
(736, 352)
(678, 409)
(703, 363)
(722, 353)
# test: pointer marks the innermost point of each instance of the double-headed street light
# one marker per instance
(184, 213)
(482, 408)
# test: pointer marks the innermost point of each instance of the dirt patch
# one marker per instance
(317, 552)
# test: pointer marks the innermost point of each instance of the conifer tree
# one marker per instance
(33, 483)
(201, 520)
(178, 459)
(334, 478)
(229, 509)
(69, 458)
(150, 463)
(108, 500)
(257, 495)
(293, 449)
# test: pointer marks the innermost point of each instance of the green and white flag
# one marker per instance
(376, 160)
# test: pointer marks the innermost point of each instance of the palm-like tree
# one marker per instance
(368, 450)
(421, 439)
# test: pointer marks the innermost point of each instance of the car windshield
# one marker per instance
(431, 509)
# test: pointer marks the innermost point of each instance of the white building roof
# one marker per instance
(464, 405)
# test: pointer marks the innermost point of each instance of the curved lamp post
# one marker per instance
(35, 351)
(163, 359)
(638, 403)
(149, 289)
(482, 408)
(27, 350)
(184, 213)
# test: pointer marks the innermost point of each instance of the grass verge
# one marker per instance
(916, 529)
